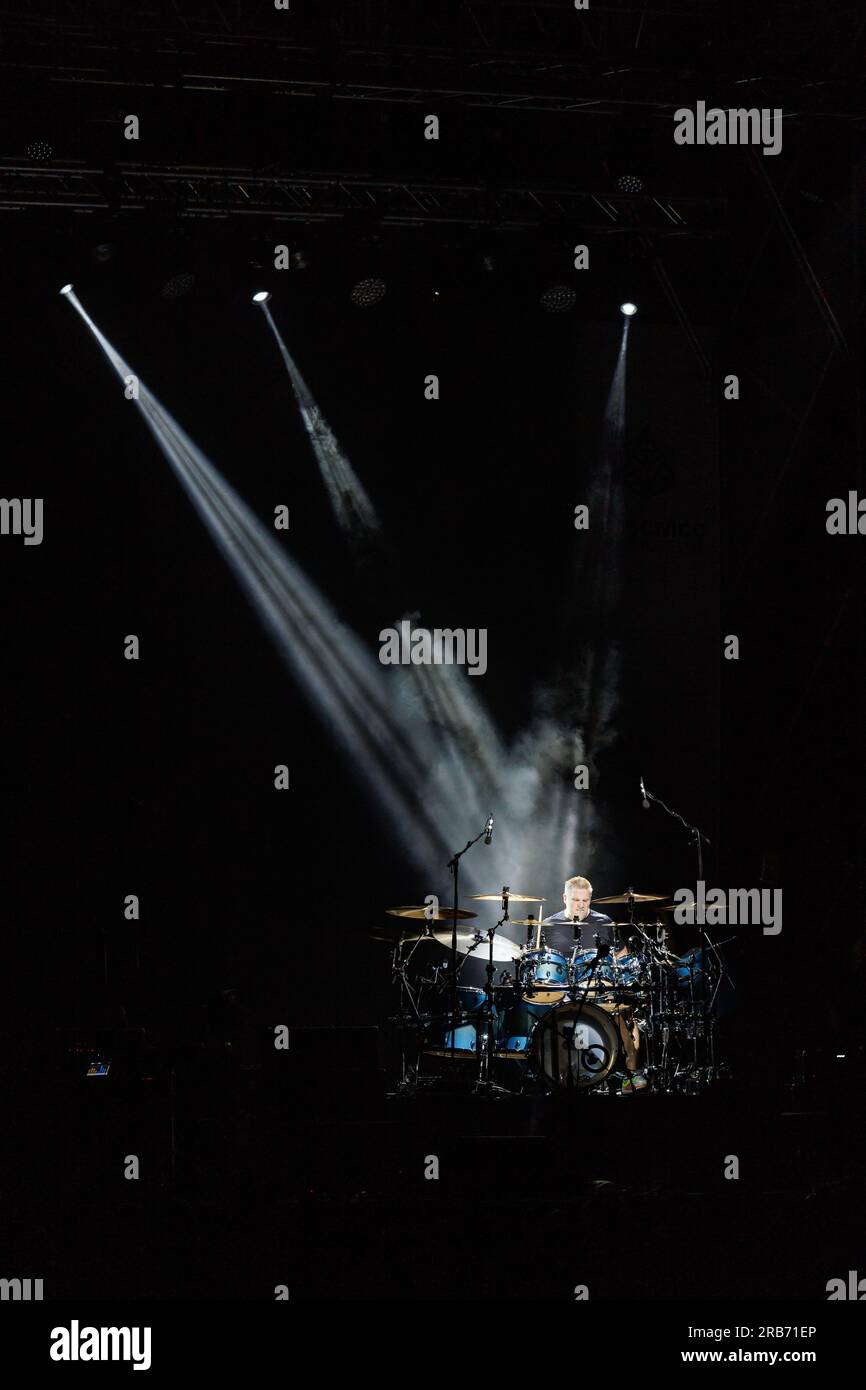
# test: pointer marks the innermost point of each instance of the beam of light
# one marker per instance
(420, 737)
(416, 754)
(352, 507)
(592, 682)
(606, 586)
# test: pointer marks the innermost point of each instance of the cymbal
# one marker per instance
(634, 898)
(688, 909)
(512, 897)
(524, 921)
(503, 948)
(400, 931)
(416, 913)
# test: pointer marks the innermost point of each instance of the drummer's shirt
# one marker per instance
(559, 931)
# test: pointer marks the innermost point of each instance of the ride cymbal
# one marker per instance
(416, 913)
(634, 898)
(512, 897)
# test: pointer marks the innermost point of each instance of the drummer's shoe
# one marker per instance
(633, 1081)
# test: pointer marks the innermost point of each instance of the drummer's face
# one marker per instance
(577, 902)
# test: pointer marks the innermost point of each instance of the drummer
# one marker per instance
(578, 924)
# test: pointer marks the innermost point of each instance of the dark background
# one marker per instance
(156, 777)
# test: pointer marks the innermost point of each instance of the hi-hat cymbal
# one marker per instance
(512, 897)
(419, 912)
(634, 898)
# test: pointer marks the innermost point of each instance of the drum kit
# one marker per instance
(546, 1022)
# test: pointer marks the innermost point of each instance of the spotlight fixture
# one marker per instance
(629, 183)
(368, 292)
(67, 289)
(261, 297)
(103, 252)
(558, 299)
(628, 309)
(39, 151)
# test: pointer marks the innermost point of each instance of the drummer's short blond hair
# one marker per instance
(578, 882)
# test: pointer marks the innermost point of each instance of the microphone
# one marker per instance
(643, 794)
(488, 830)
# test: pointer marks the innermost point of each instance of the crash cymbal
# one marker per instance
(524, 921)
(503, 947)
(512, 897)
(634, 898)
(418, 913)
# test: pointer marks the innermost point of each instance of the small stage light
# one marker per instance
(628, 309)
(67, 289)
(262, 297)
(629, 183)
(558, 299)
(368, 292)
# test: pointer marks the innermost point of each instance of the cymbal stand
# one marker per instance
(399, 968)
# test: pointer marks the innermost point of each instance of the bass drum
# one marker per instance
(575, 1046)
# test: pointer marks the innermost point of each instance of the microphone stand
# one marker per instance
(454, 866)
(600, 953)
(698, 839)
(485, 1083)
